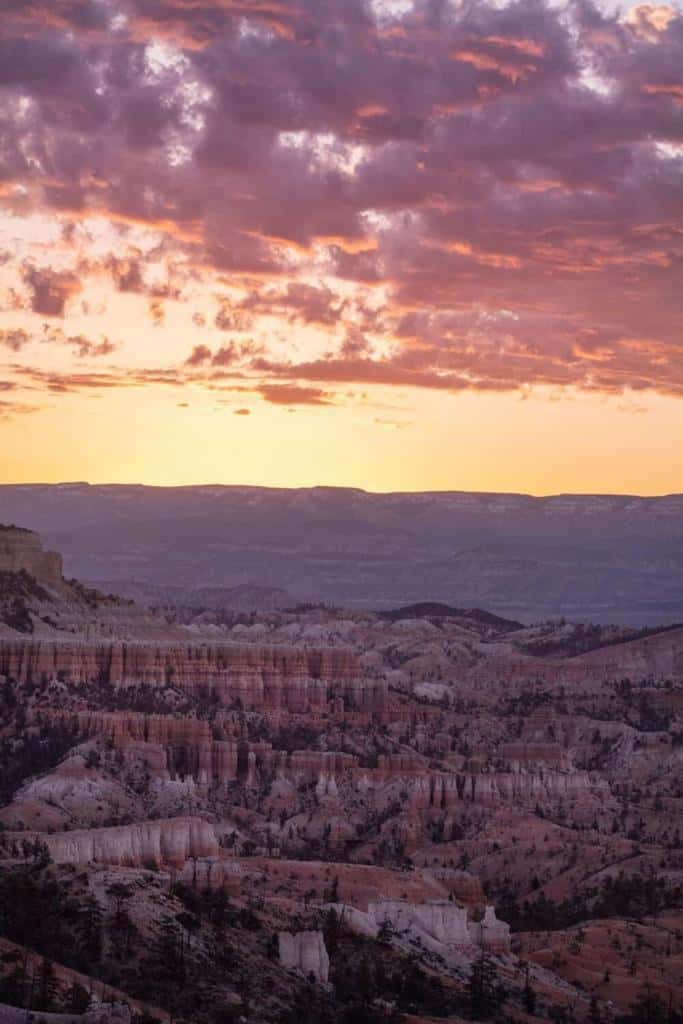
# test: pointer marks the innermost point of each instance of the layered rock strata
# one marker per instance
(170, 842)
(186, 748)
(298, 680)
(22, 551)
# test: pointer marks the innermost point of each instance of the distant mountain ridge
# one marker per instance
(435, 610)
(607, 558)
(242, 598)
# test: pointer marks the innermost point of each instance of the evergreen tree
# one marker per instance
(46, 987)
(76, 999)
(528, 996)
(484, 992)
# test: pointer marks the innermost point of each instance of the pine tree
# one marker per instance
(594, 1015)
(76, 999)
(528, 996)
(484, 992)
(46, 988)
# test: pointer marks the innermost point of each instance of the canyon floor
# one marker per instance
(311, 815)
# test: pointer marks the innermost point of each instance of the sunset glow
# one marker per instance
(389, 245)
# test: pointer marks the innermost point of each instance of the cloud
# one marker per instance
(229, 318)
(232, 354)
(200, 355)
(292, 394)
(8, 410)
(484, 196)
(81, 346)
(391, 424)
(242, 412)
(157, 312)
(49, 290)
(225, 356)
(14, 338)
(34, 378)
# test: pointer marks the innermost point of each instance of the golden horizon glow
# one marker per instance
(455, 268)
(538, 445)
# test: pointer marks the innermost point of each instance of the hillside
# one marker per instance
(37, 600)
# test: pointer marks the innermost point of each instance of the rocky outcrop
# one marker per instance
(444, 923)
(305, 952)
(22, 551)
(440, 919)
(171, 842)
(298, 680)
(186, 748)
(490, 933)
(171, 747)
(443, 791)
(211, 873)
(523, 755)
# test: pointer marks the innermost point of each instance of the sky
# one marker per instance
(394, 244)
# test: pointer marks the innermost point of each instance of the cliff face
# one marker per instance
(272, 677)
(171, 747)
(185, 748)
(22, 551)
(444, 923)
(147, 843)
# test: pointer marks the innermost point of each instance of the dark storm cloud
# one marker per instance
(511, 177)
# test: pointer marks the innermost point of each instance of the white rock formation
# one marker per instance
(490, 933)
(170, 841)
(441, 923)
(305, 952)
(440, 920)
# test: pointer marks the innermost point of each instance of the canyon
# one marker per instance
(417, 790)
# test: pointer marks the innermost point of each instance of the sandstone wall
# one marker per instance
(305, 952)
(444, 790)
(440, 920)
(178, 748)
(22, 550)
(171, 841)
(444, 923)
(172, 747)
(298, 680)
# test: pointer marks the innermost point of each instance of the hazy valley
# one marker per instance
(588, 558)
